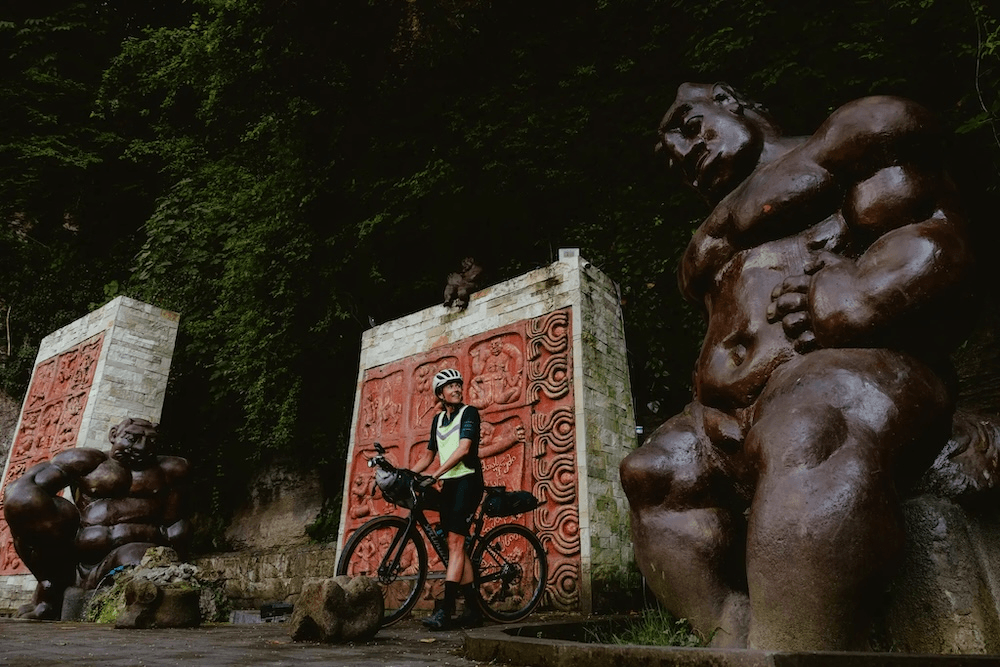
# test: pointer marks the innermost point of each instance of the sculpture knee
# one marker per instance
(35, 516)
(677, 468)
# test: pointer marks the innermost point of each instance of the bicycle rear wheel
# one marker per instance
(368, 553)
(511, 571)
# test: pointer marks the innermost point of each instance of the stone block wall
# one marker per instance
(258, 576)
(88, 376)
(543, 354)
(609, 425)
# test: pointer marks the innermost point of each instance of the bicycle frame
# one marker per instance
(417, 518)
(497, 571)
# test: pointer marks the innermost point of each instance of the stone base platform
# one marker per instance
(561, 644)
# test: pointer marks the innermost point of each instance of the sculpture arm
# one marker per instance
(909, 262)
(175, 528)
(907, 279)
(907, 284)
(781, 198)
(31, 504)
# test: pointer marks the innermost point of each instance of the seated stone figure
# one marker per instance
(835, 271)
(127, 500)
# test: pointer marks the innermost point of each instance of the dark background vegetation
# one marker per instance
(280, 171)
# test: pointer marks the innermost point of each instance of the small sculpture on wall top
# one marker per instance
(461, 285)
(126, 501)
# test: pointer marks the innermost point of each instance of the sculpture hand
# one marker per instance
(790, 303)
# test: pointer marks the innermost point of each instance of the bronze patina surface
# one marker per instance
(126, 500)
(835, 273)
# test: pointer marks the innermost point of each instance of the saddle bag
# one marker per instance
(508, 503)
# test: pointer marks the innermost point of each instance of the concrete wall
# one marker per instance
(255, 577)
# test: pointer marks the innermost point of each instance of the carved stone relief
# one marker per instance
(497, 373)
(520, 378)
(50, 424)
(381, 407)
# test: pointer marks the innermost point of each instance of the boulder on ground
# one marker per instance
(342, 609)
(151, 605)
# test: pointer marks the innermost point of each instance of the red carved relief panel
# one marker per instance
(53, 410)
(520, 378)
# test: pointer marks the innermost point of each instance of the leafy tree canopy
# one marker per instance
(281, 171)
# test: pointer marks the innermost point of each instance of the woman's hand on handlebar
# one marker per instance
(424, 482)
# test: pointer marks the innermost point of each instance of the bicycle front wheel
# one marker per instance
(511, 571)
(400, 571)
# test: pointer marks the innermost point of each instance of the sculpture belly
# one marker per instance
(113, 511)
(741, 348)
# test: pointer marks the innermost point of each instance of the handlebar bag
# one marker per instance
(395, 486)
(509, 503)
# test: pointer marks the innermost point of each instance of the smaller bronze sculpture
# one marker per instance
(461, 285)
(127, 500)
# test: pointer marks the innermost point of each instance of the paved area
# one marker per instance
(546, 644)
(31, 643)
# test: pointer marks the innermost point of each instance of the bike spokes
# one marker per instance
(511, 572)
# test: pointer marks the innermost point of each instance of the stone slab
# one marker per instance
(34, 644)
(544, 353)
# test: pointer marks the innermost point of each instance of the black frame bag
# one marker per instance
(501, 502)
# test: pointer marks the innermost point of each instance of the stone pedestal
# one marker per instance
(88, 376)
(946, 596)
(543, 355)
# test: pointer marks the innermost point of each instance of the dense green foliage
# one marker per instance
(281, 171)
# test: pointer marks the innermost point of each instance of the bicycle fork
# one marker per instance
(389, 568)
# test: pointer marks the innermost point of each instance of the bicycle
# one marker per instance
(508, 562)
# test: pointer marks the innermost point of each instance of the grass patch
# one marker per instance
(654, 628)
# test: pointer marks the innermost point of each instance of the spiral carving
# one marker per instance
(549, 377)
(560, 528)
(548, 333)
(563, 589)
(556, 431)
(556, 479)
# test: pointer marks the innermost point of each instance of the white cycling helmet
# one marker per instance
(444, 377)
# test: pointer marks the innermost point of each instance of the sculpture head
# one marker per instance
(133, 443)
(714, 137)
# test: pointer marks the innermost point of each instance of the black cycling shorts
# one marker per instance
(459, 499)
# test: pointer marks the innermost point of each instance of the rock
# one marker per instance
(159, 557)
(341, 609)
(151, 606)
(179, 608)
(141, 599)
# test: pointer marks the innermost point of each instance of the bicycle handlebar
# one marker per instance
(380, 460)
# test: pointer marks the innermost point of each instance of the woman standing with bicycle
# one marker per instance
(455, 440)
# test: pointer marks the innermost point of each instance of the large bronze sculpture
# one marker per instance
(126, 500)
(835, 272)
